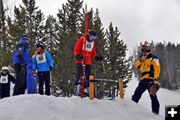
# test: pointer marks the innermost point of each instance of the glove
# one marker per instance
(154, 87)
(34, 72)
(51, 68)
(157, 83)
(99, 58)
(79, 57)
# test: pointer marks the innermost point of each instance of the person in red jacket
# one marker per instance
(84, 51)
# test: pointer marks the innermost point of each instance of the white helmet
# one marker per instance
(5, 68)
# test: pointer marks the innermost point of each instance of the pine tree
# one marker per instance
(74, 15)
(4, 42)
(28, 20)
(68, 28)
(62, 36)
(100, 44)
(117, 65)
(34, 21)
(50, 37)
(2, 31)
(2, 21)
(18, 24)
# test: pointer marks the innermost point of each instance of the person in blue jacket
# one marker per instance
(43, 63)
(21, 58)
(31, 80)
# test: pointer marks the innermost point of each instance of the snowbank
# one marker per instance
(37, 107)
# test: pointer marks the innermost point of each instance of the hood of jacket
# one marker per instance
(23, 41)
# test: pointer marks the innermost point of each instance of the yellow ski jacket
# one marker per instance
(150, 67)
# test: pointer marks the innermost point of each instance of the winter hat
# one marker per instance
(5, 68)
(25, 37)
(23, 40)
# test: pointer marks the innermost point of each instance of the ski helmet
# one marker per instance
(145, 47)
(40, 44)
(92, 35)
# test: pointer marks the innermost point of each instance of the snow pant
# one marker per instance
(31, 85)
(44, 77)
(79, 74)
(142, 87)
(5, 90)
(20, 84)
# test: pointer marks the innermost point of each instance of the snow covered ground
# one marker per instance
(165, 97)
(38, 107)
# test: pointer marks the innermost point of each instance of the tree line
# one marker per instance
(170, 65)
(59, 34)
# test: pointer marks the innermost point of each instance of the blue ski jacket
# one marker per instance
(26, 54)
(43, 62)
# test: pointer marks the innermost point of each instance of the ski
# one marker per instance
(83, 62)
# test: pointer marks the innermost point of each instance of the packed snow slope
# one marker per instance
(38, 107)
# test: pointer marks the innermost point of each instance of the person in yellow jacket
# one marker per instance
(149, 66)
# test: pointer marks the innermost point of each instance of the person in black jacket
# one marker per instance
(5, 79)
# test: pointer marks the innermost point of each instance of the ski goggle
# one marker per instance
(38, 46)
(92, 37)
(145, 54)
(144, 50)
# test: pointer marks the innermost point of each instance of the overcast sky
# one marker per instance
(138, 20)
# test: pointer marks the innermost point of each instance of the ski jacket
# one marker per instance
(42, 62)
(149, 68)
(87, 49)
(6, 79)
(26, 54)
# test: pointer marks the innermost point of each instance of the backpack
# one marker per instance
(20, 48)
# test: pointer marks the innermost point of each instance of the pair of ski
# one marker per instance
(80, 86)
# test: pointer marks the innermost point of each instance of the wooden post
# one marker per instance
(91, 87)
(121, 92)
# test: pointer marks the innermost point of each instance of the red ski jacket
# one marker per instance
(87, 49)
